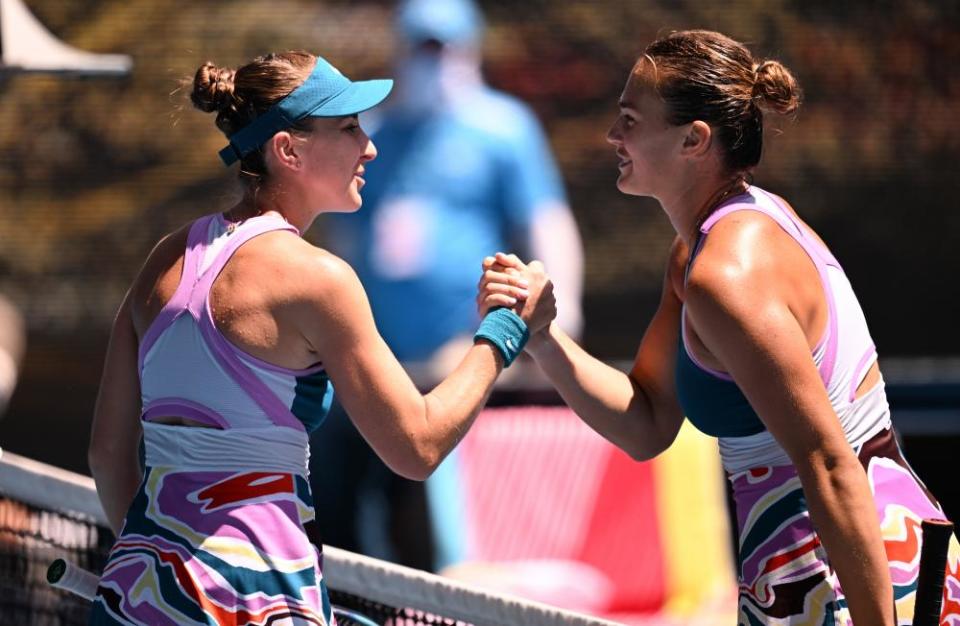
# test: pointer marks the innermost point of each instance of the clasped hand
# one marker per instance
(509, 282)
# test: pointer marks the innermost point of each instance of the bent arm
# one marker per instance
(638, 412)
(555, 240)
(409, 431)
(752, 331)
(115, 435)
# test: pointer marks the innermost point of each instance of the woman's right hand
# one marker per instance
(526, 288)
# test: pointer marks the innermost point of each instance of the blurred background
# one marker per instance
(94, 171)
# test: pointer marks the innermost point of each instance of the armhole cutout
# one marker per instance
(866, 376)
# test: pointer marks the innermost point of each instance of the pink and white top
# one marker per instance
(843, 355)
(189, 369)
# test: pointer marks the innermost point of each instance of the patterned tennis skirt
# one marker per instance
(205, 548)
(785, 577)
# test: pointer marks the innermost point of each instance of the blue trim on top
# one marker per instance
(313, 396)
(715, 406)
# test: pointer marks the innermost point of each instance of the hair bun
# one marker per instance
(775, 88)
(212, 88)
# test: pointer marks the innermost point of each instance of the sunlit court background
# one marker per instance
(94, 171)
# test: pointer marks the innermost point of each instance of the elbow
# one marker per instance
(650, 443)
(108, 454)
(641, 454)
(97, 460)
(830, 471)
(417, 463)
(646, 450)
(416, 470)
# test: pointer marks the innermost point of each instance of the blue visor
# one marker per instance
(325, 93)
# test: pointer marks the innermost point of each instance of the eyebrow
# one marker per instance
(626, 104)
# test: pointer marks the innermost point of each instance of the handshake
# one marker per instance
(525, 289)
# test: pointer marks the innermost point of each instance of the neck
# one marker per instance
(693, 204)
(267, 201)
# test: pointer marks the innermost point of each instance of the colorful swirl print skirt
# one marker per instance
(215, 548)
(785, 577)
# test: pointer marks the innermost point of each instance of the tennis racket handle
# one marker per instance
(68, 576)
(933, 564)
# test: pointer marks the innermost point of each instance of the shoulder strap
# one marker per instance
(226, 353)
(196, 246)
(820, 256)
(238, 235)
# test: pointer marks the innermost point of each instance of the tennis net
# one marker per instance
(47, 513)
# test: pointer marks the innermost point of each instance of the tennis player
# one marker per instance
(224, 353)
(760, 341)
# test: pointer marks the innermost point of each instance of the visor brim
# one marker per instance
(360, 96)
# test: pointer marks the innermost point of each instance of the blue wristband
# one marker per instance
(506, 331)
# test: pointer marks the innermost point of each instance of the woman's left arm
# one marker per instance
(115, 436)
(741, 315)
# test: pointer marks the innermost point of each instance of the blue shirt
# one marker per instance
(445, 191)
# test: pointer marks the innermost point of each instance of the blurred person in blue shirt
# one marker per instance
(464, 170)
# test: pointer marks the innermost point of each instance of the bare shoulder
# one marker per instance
(313, 275)
(326, 302)
(166, 253)
(739, 262)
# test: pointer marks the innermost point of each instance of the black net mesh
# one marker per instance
(32, 537)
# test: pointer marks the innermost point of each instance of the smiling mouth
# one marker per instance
(624, 163)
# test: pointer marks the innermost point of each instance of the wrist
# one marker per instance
(505, 331)
(541, 342)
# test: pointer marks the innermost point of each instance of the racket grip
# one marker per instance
(933, 564)
(67, 576)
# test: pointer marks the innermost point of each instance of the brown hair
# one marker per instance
(707, 76)
(239, 96)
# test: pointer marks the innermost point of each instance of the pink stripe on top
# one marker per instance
(167, 407)
(176, 306)
(860, 372)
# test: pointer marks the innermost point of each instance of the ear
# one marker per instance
(697, 141)
(284, 150)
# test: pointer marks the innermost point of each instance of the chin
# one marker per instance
(350, 204)
(626, 187)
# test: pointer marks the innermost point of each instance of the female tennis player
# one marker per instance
(223, 356)
(760, 341)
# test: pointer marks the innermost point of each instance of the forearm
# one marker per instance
(452, 406)
(843, 511)
(118, 478)
(115, 433)
(555, 240)
(608, 400)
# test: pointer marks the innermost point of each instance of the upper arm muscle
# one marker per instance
(372, 386)
(743, 321)
(653, 366)
(116, 420)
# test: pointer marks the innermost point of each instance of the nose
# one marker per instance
(369, 152)
(614, 136)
